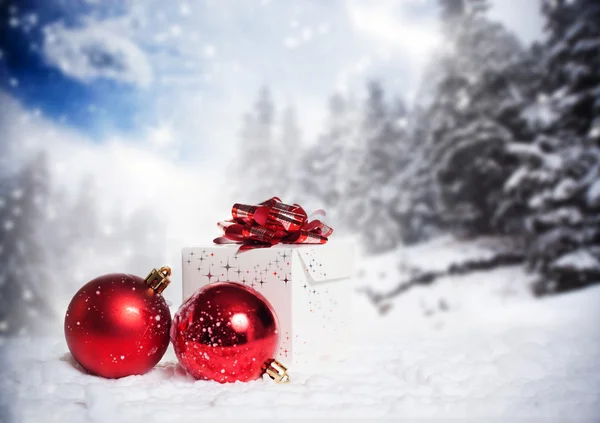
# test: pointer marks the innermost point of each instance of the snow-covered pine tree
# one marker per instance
(289, 157)
(557, 183)
(371, 190)
(72, 237)
(255, 178)
(466, 115)
(413, 205)
(327, 165)
(25, 285)
(572, 65)
(85, 240)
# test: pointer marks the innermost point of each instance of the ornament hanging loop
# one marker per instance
(158, 280)
(277, 371)
(165, 271)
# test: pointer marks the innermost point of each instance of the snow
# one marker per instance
(587, 46)
(475, 345)
(516, 179)
(579, 259)
(540, 113)
(552, 161)
(567, 215)
(565, 189)
(440, 253)
(468, 346)
(529, 360)
(593, 194)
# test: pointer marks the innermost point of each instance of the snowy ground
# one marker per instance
(487, 354)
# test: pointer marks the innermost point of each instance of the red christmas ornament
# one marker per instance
(118, 325)
(226, 332)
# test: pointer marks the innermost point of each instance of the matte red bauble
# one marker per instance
(225, 332)
(118, 325)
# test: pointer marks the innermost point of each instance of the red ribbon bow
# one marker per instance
(272, 222)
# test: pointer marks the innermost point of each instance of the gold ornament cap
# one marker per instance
(277, 371)
(158, 280)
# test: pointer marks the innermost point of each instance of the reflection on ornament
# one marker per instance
(118, 325)
(239, 322)
(225, 332)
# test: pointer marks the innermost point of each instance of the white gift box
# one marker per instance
(309, 287)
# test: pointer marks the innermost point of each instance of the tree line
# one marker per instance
(52, 242)
(502, 139)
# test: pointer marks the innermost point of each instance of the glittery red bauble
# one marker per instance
(225, 332)
(116, 325)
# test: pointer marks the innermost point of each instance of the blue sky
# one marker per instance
(188, 70)
(26, 75)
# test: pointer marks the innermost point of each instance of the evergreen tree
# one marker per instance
(413, 205)
(467, 113)
(87, 241)
(572, 65)
(255, 178)
(371, 190)
(74, 234)
(451, 10)
(288, 159)
(328, 164)
(556, 185)
(25, 285)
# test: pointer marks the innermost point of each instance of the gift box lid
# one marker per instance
(327, 262)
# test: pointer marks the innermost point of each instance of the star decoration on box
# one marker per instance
(271, 275)
(314, 266)
(209, 275)
(227, 267)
